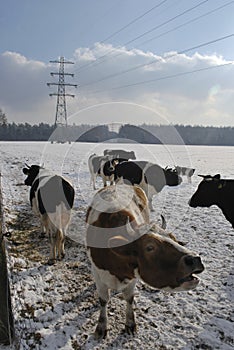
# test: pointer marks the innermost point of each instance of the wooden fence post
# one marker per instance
(6, 316)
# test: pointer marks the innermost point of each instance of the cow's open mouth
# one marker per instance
(189, 278)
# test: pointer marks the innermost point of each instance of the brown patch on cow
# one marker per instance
(105, 258)
(112, 220)
(106, 227)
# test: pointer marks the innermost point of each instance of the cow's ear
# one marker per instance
(119, 245)
(25, 171)
(221, 184)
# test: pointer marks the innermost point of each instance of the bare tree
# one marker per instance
(3, 118)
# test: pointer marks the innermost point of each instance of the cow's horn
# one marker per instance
(129, 228)
(203, 176)
(164, 223)
(28, 166)
(206, 177)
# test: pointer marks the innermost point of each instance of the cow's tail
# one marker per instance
(57, 234)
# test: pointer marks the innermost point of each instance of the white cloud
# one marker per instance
(23, 92)
(204, 97)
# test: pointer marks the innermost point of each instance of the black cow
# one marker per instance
(51, 197)
(119, 153)
(150, 177)
(213, 190)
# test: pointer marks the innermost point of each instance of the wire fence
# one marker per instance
(6, 315)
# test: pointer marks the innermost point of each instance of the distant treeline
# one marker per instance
(150, 134)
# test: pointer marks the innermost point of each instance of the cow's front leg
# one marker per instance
(103, 293)
(151, 205)
(93, 180)
(101, 329)
(104, 181)
(128, 294)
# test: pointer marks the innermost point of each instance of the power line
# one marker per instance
(159, 60)
(186, 23)
(177, 27)
(120, 30)
(166, 22)
(166, 77)
(134, 21)
(94, 63)
(169, 31)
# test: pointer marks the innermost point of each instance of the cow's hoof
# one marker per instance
(61, 257)
(100, 333)
(130, 329)
(51, 261)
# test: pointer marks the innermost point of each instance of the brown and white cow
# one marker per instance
(123, 247)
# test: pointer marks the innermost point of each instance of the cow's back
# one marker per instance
(154, 176)
(130, 171)
(53, 192)
(110, 211)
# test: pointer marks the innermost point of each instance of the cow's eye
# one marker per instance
(150, 248)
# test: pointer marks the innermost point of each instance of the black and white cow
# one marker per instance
(150, 177)
(107, 171)
(213, 190)
(119, 153)
(103, 166)
(184, 171)
(52, 198)
(95, 162)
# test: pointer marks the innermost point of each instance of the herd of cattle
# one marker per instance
(122, 243)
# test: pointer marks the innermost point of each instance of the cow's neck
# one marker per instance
(43, 177)
(104, 259)
(225, 204)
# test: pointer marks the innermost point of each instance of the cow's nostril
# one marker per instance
(189, 260)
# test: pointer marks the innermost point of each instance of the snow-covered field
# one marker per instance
(56, 307)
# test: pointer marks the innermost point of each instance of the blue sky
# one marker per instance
(186, 87)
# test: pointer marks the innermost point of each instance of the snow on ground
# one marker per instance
(56, 307)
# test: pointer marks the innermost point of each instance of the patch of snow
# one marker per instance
(56, 307)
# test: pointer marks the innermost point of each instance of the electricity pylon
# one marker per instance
(61, 109)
